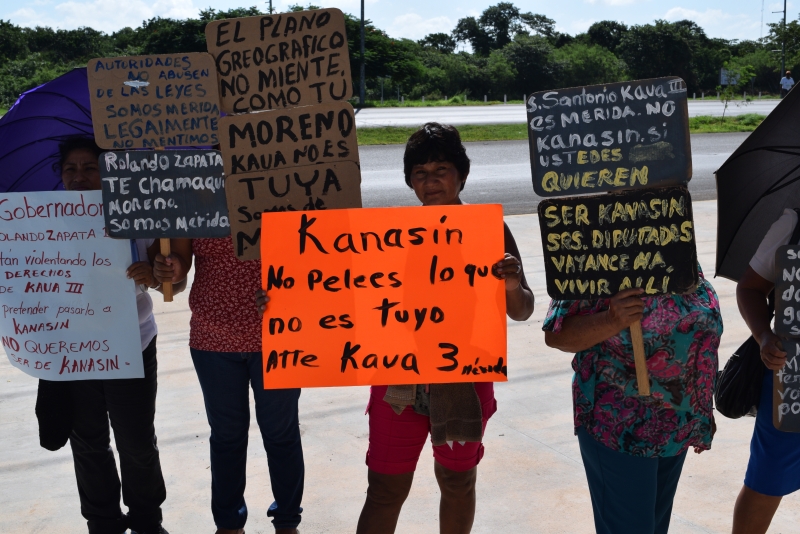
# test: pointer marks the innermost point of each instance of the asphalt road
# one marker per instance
(501, 173)
(515, 113)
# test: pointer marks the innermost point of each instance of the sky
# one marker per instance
(413, 19)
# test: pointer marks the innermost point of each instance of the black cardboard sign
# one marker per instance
(787, 291)
(282, 60)
(609, 137)
(169, 194)
(275, 140)
(313, 187)
(595, 246)
(154, 101)
(786, 390)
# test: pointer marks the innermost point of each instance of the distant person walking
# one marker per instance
(786, 83)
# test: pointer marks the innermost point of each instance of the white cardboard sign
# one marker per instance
(67, 309)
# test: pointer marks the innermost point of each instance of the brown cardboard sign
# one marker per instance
(311, 187)
(282, 60)
(154, 101)
(263, 141)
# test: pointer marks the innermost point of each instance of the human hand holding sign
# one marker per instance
(771, 351)
(261, 301)
(168, 268)
(625, 308)
(142, 274)
(510, 270)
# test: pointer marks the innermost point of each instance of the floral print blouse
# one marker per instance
(681, 340)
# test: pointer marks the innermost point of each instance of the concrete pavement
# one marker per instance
(500, 172)
(515, 113)
(530, 481)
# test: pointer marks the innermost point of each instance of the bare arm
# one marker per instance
(580, 332)
(751, 296)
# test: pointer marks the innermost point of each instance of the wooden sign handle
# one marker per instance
(642, 376)
(166, 287)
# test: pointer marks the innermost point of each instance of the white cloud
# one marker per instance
(717, 23)
(575, 26)
(616, 2)
(103, 15)
(413, 26)
(348, 6)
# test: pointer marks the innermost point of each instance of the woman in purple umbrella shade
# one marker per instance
(129, 404)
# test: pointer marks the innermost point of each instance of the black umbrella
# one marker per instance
(35, 125)
(755, 184)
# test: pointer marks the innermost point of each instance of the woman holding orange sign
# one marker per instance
(436, 167)
(401, 417)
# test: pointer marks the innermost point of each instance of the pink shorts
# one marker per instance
(396, 441)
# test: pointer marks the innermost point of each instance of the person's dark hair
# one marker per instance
(76, 142)
(436, 142)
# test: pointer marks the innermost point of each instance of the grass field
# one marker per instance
(477, 100)
(453, 101)
(512, 132)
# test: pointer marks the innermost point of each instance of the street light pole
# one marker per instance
(361, 89)
(783, 41)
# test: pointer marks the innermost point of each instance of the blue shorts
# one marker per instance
(774, 467)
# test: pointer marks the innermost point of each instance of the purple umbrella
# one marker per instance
(35, 125)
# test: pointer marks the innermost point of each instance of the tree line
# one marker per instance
(511, 53)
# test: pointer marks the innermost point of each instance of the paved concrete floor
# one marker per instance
(530, 481)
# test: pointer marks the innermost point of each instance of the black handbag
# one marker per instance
(738, 389)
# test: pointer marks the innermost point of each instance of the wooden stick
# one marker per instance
(642, 376)
(166, 287)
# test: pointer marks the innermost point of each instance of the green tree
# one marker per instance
(607, 33)
(589, 64)
(654, 50)
(439, 41)
(498, 25)
(13, 43)
(534, 61)
(20, 75)
(739, 75)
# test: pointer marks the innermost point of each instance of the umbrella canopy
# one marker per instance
(755, 184)
(35, 125)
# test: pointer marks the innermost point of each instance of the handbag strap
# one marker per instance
(795, 239)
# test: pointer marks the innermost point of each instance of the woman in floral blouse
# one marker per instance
(633, 447)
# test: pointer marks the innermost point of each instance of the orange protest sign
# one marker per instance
(383, 296)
